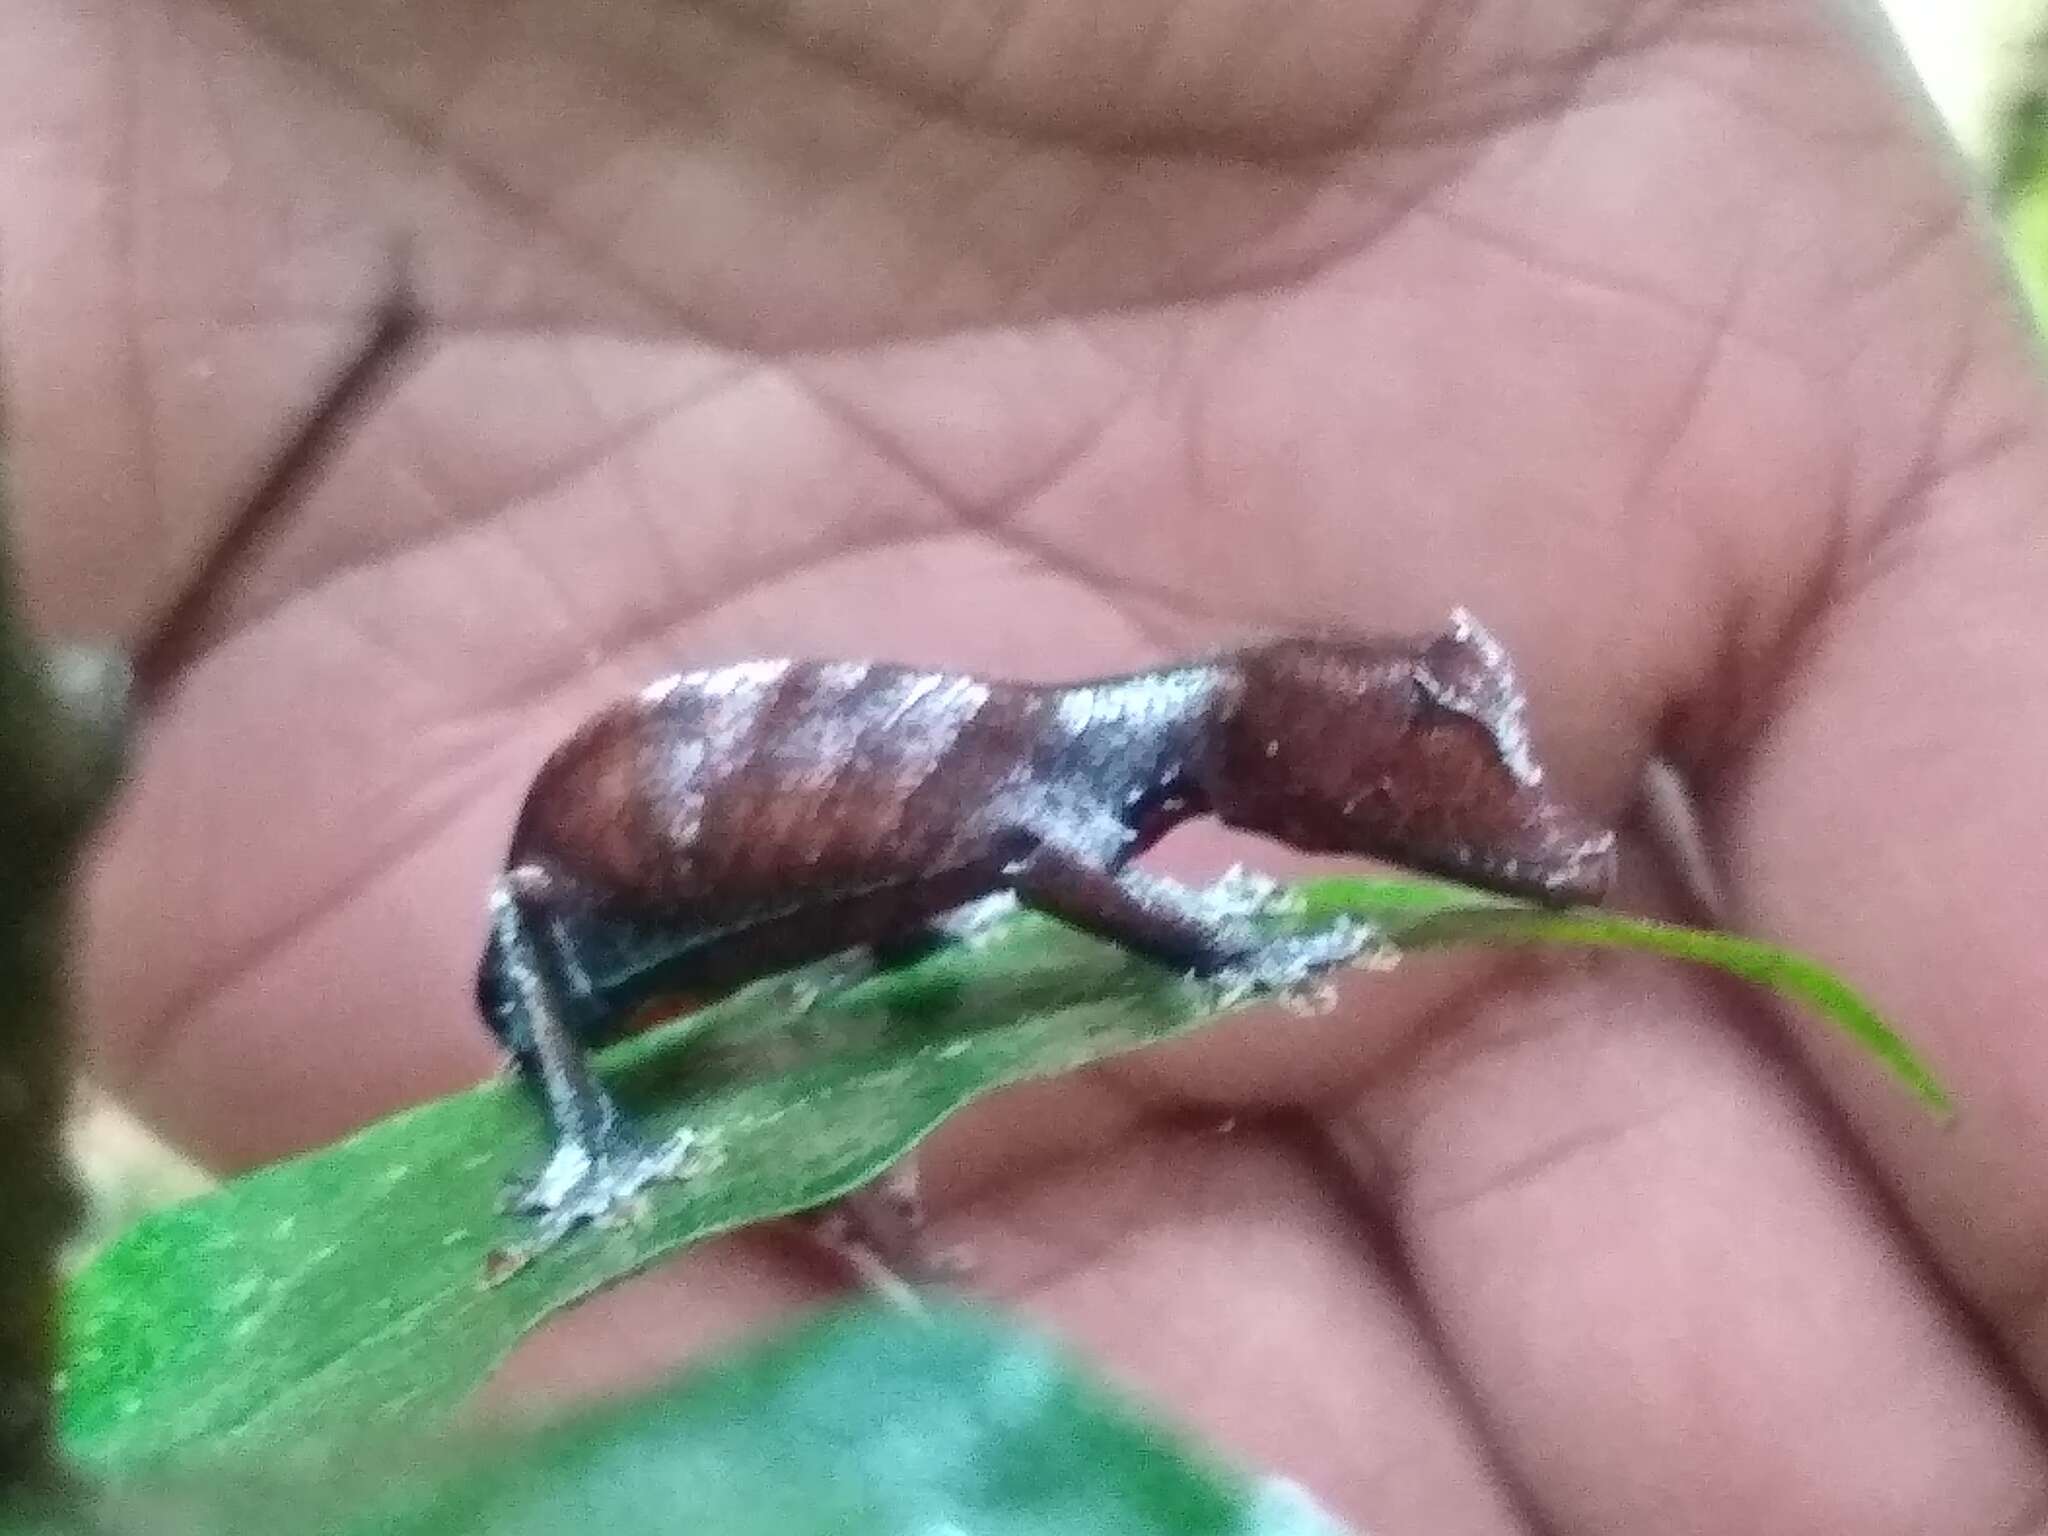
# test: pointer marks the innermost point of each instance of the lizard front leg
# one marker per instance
(599, 1163)
(1206, 932)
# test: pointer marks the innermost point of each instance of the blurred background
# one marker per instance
(1959, 46)
(1985, 65)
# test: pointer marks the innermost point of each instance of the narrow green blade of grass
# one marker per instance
(1426, 915)
(344, 1288)
(863, 1423)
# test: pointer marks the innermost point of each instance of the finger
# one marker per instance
(1884, 815)
(1677, 1308)
(641, 1331)
(636, 1335)
(1211, 1272)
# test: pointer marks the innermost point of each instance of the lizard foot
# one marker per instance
(879, 1232)
(1294, 968)
(598, 1183)
(1240, 893)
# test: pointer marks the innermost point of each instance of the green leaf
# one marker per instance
(1430, 915)
(864, 1423)
(345, 1288)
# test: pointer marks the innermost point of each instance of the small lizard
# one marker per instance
(726, 824)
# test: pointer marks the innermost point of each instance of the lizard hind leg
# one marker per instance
(599, 1164)
(880, 1233)
(879, 1230)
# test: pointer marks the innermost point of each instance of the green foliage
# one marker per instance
(866, 1423)
(2019, 160)
(346, 1288)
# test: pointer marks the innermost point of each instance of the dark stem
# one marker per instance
(44, 789)
(181, 634)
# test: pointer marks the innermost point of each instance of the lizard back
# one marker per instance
(749, 788)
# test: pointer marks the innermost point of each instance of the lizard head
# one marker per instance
(1414, 751)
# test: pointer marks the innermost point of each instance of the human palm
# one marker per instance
(1050, 338)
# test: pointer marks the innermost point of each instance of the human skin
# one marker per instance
(1043, 338)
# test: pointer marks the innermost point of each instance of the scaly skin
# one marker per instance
(724, 824)
(1658, 334)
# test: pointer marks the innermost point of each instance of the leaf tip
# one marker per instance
(1934, 1098)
